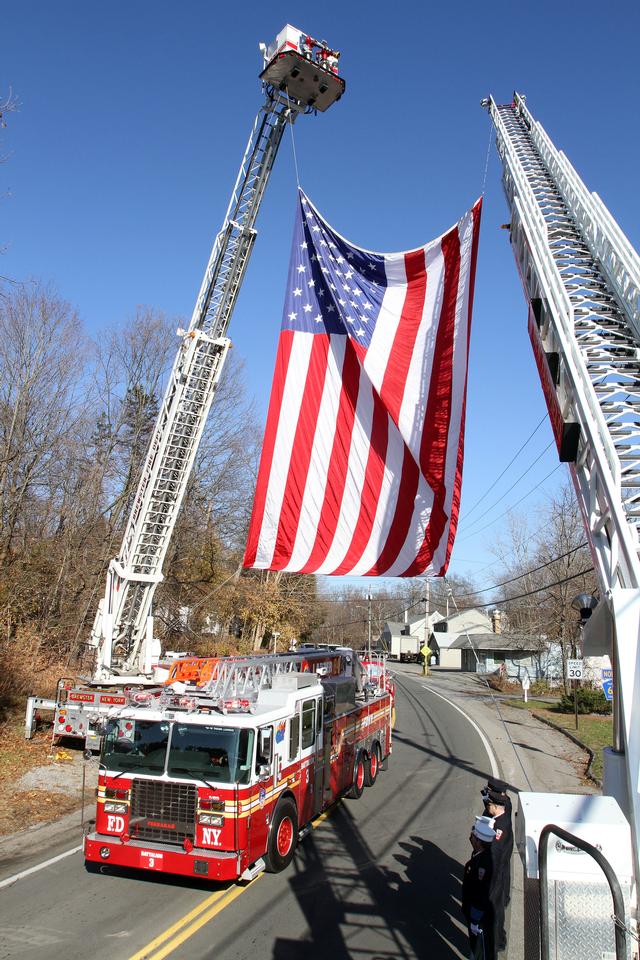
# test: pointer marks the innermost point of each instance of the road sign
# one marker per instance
(574, 669)
(607, 683)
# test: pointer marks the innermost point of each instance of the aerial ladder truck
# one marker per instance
(300, 75)
(581, 278)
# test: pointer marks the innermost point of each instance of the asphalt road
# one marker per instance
(378, 878)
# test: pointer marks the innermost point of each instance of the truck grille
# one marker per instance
(163, 811)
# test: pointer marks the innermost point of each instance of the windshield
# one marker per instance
(208, 752)
(136, 745)
(197, 751)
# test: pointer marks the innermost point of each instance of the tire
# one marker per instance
(283, 837)
(359, 776)
(373, 766)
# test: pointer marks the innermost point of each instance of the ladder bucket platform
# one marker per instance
(304, 80)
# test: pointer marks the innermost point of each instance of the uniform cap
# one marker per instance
(483, 829)
(493, 797)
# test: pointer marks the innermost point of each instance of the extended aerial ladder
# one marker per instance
(295, 80)
(581, 277)
(300, 75)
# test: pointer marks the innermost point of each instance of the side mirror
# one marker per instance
(88, 754)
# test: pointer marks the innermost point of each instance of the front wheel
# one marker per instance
(283, 837)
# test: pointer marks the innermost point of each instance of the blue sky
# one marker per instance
(134, 117)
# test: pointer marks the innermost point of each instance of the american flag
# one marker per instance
(361, 463)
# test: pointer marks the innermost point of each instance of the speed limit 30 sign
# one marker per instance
(574, 669)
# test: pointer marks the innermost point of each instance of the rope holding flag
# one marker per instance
(361, 465)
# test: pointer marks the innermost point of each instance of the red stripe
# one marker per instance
(433, 449)
(371, 487)
(273, 417)
(397, 370)
(301, 452)
(392, 392)
(455, 502)
(339, 461)
(402, 519)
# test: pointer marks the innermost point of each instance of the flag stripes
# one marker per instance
(361, 465)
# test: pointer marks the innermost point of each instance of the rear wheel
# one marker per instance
(359, 776)
(283, 836)
(373, 765)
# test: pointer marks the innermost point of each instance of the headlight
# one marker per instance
(115, 807)
(112, 794)
(210, 820)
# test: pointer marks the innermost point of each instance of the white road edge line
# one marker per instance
(495, 770)
(39, 866)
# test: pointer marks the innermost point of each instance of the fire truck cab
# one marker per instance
(222, 786)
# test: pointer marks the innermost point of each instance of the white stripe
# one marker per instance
(386, 326)
(289, 412)
(354, 482)
(416, 391)
(316, 483)
(39, 866)
(387, 501)
(415, 536)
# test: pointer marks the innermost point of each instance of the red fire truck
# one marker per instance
(218, 776)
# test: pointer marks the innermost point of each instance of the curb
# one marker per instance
(579, 743)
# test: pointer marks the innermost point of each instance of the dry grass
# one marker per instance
(21, 809)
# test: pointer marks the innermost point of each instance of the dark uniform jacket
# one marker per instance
(476, 887)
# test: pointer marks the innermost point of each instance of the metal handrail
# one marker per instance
(619, 923)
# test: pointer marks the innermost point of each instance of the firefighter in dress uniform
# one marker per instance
(497, 805)
(477, 907)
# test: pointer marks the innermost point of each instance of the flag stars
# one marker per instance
(302, 268)
(315, 228)
(293, 316)
(360, 332)
(350, 319)
(348, 274)
(357, 292)
(318, 318)
(297, 292)
(367, 306)
(311, 283)
(321, 293)
(331, 308)
(303, 246)
(340, 260)
(307, 308)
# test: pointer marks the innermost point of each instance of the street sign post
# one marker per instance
(574, 672)
(526, 683)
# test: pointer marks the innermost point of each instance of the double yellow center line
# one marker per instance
(167, 942)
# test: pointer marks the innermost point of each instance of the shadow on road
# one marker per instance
(355, 908)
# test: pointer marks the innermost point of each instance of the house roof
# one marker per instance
(500, 641)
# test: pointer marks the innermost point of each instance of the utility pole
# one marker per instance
(369, 598)
(427, 586)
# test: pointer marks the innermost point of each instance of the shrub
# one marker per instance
(589, 701)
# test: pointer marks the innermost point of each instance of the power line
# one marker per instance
(500, 476)
(526, 573)
(514, 484)
(505, 512)
(531, 593)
